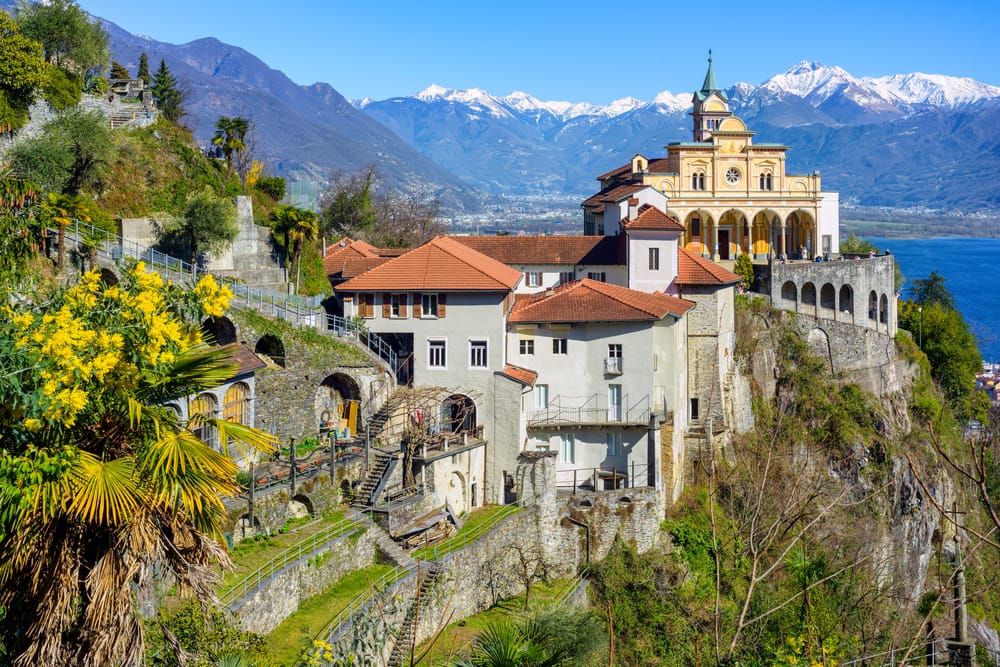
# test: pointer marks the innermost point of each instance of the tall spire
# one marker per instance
(710, 85)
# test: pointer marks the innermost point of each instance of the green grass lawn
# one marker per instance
(477, 518)
(249, 555)
(455, 640)
(295, 634)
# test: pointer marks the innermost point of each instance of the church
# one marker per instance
(732, 195)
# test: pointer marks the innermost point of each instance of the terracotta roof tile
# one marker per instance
(592, 301)
(342, 251)
(614, 194)
(695, 270)
(522, 375)
(570, 250)
(651, 217)
(624, 169)
(441, 264)
(659, 166)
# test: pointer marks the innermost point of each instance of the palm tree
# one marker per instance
(230, 137)
(512, 644)
(59, 209)
(98, 489)
(297, 226)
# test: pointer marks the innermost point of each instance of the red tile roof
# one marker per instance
(522, 375)
(659, 166)
(695, 270)
(570, 250)
(624, 169)
(343, 251)
(441, 264)
(651, 217)
(592, 301)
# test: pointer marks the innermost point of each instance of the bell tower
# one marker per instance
(711, 106)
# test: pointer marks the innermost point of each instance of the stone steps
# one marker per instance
(407, 631)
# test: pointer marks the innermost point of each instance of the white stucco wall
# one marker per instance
(640, 276)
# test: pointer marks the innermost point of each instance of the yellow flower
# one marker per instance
(32, 424)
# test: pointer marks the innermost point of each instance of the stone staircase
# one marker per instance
(398, 656)
(377, 422)
(389, 549)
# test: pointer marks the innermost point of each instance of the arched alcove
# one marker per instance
(819, 345)
(332, 393)
(789, 292)
(828, 297)
(847, 300)
(459, 414)
(219, 331)
(809, 298)
(271, 346)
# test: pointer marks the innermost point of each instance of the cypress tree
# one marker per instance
(169, 98)
(118, 71)
(144, 68)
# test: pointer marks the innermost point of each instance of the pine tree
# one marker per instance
(118, 71)
(169, 98)
(143, 68)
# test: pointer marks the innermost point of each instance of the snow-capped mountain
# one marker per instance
(522, 145)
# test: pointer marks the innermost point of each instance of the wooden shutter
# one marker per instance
(402, 305)
(369, 305)
(386, 305)
(441, 304)
(417, 306)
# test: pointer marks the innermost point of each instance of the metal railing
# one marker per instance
(934, 653)
(301, 311)
(629, 476)
(348, 525)
(443, 552)
(339, 624)
(593, 409)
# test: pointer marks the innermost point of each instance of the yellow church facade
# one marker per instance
(732, 195)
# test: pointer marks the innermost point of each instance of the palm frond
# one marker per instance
(200, 367)
(104, 492)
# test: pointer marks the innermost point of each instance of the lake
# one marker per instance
(966, 265)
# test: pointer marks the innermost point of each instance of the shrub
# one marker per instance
(272, 186)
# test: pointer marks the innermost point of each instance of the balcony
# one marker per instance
(593, 410)
(613, 366)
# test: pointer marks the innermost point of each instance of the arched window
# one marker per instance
(872, 306)
(809, 295)
(236, 404)
(788, 291)
(827, 297)
(765, 181)
(847, 299)
(204, 407)
(698, 180)
(883, 310)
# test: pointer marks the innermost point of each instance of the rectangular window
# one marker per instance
(437, 354)
(429, 305)
(559, 345)
(541, 396)
(694, 408)
(526, 346)
(567, 448)
(565, 277)
(478, 354)
(614, 444)
(654, 259)
(696, 227)
(397, 305)
(599, 276)
(613, 364)
(533, 278)
(614, 402)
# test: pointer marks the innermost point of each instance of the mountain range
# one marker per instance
(903, 141)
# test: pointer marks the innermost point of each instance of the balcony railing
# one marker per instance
(608, 478)
(593, 409)
(613, 366)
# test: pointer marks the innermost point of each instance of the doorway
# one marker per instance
(723, 244)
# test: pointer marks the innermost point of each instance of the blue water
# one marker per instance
(967, 266)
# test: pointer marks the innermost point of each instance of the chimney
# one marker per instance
(633, 204)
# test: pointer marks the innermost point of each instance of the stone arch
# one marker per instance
(458, 414)
(819, 344)
(697, 224)
(883, 310)
(809, 298)
(455, 491)
(733, 233)
(801, 226)
(108, 277)
(271, 346)
(789, 292)
(873, 306)
(219, 331)
(305, 501)
(176, 409)
(333, 392)
(828, 298)
(586, 503)
(765, 221)
(625, 500)
(846, 304)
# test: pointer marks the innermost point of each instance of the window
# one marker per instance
(694, 408)
(541, 396)
(614, 350)
(613, 364)
(236, 404)
(567, 448)
(765, 182)
(565, 277)
(654, 259)
(428, 305)
(201, 408)
(366, 305)
(698, 180)
(614, 444)
(397, 305)
(478, 354)
(437, 354)
(559, 345)
(695, 226)
(533, 278)
(527, 346)
(599, 276)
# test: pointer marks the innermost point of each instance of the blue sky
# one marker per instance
(577, 51)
